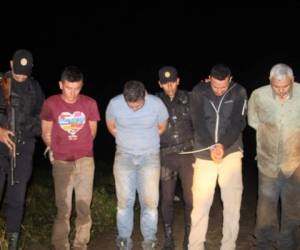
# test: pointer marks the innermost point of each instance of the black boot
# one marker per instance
(187, 230)
(169, 241)
(13, 240)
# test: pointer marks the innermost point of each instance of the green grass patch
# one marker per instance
(40, 210)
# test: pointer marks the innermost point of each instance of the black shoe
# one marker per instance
(187, 230)
(169, 240)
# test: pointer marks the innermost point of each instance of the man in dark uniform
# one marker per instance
(21, 99)
(178, 137)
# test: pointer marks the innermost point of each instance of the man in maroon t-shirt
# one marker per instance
(69, 125)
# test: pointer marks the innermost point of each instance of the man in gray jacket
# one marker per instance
(274, 112)
(218, 114)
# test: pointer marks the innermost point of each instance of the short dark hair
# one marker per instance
(220, 71)
(134, 91)
(71, 74)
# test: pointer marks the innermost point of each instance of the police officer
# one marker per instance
(21, 99)
(177, 138)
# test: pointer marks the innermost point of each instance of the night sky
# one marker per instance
(113, 45)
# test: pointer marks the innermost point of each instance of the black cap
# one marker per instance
(167, 74)
(22, 62)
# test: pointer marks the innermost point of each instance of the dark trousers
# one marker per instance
(173, 166)
(271, 234)
(14, 198)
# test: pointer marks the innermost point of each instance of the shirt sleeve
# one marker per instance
(109, 113)
(46, 113)
(252, 113)
(94, 114)
(202, 135)
(163, 114)
(237, 120)
(40, 98)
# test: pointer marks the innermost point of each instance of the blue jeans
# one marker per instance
(137, 173)
(269, 232)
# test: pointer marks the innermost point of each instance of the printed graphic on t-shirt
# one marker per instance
(72, 123)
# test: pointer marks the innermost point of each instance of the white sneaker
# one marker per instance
(176, 198)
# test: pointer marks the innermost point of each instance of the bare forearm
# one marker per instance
(93, 127)
(112, 127)
(47, 132)
(162, 127)
(113, 131)
(47, 139)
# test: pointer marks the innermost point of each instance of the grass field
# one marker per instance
(40, 208)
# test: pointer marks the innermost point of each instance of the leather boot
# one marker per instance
(169, 241)
(12, 239)
(187, 230)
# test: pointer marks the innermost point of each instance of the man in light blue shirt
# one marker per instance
(136, 120)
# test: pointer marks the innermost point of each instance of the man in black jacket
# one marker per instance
(21, 99)
(178, 137)
(218, 113)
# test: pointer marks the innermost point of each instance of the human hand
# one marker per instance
(50, 154)
(217, 153)
(6, 138)
(206, 80)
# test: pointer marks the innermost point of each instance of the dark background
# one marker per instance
(118, 43)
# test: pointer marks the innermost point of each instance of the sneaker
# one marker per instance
(149, 245)
(176, 198)
(124, 244)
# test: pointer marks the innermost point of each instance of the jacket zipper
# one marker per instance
(217, 110)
